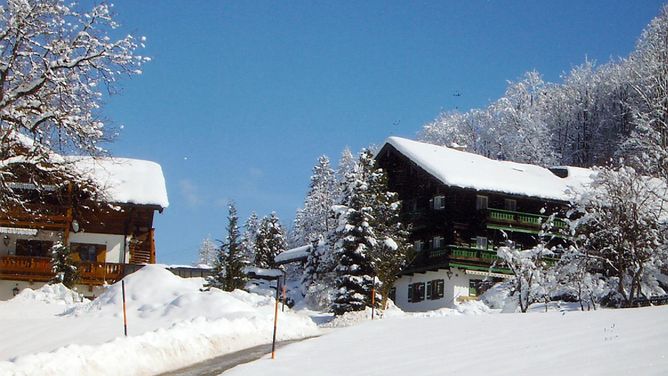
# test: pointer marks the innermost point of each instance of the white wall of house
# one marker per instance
(456, 286)
(115, 244)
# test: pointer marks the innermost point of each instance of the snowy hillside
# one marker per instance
(171, 323)
(604, 342)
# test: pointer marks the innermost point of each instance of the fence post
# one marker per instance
(273, 341)
(125, 317)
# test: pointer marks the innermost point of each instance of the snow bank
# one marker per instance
(50, 294)
(604, 342)
(171, 324)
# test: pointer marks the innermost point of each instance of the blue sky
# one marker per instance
(242, 97)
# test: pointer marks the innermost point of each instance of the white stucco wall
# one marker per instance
(114, 244)
(455, 286)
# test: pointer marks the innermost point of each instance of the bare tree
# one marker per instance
(55, 63)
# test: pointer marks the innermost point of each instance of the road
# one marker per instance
(216, 366)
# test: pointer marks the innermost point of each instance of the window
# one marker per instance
(510, 204)
(416, 292)
(438, 202)
(437, 242)
(85, 252)
(393, 294)
(474, 287)
(481, 202)
(435, 289)
(481, 242)
(429, 289)
(33, 248)
(418, 245)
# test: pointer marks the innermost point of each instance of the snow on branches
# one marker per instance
(55, 63)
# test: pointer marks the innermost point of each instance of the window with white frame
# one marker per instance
(481, 242)
(481, 202)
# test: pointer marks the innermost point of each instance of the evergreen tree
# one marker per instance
(269, 242)
(393, 251)
(251, 228)
(356, 239)
(62, 265)
(234, 257)
(371, 240)
(316, 219)
(217, 278)
(207, 252)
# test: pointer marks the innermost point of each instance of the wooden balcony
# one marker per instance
(38, 269)
(523, 222)
(466, 253)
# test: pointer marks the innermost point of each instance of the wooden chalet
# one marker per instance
(461, 207)
(106, 235)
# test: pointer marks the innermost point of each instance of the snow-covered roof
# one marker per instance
(468, 170)
(124, 180)
(255, 272)
(291, 255)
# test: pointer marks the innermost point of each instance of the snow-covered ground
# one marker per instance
(171, 324)
(469, 342)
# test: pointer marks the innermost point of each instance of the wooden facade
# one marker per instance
(103, 237)
(459, 229)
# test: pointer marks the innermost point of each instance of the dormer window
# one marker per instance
(481, 202)
(438, 202)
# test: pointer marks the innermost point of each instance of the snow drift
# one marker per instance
(171, 324)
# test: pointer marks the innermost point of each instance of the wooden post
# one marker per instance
(373, 299)
(125, 317)
(273, 341)
(283, 299)
(68, 216)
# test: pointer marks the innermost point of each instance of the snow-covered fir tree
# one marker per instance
(269, 242)
(228, 267)
(392, 251)
(355, 240)
(235, 262)
(57, 60)
(207, 252)
(251, 228)
(64, 268)
(217, 277)
(316, 219)
(347, 165)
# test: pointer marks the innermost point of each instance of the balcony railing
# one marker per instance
(520, 219)
(39, 269)
(464, 252)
